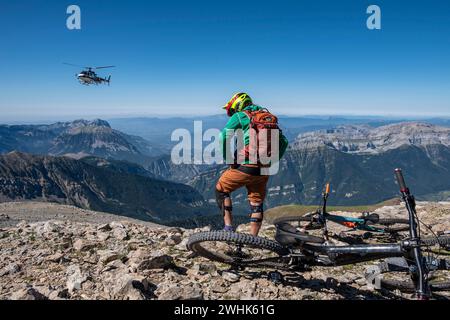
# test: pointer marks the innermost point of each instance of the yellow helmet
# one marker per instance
(238, 103)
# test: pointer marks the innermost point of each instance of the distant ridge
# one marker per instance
(366, 139)
(78, 139)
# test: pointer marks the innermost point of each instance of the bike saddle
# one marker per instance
(289, 235)
(287, 227)
(284, 234)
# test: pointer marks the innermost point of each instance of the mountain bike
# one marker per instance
(293, 248)
(369, 222)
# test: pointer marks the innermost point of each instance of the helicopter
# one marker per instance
(88, 76)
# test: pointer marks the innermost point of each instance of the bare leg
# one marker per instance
(255, 226)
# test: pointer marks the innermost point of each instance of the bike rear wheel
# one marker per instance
(290, 219)
(238, 249)
(385, 225)
(390, 225)
(443, 241)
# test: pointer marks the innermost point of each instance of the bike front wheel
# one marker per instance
(238, 249)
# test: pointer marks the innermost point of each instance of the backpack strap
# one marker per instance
(248, 113)
(250, 117)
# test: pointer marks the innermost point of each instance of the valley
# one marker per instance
(74, 182)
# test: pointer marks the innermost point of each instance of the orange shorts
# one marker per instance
(233, 179)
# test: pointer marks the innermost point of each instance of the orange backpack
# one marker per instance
(260, 121)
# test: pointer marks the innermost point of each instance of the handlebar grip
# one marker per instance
(400, 179)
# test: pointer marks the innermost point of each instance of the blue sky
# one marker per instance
(189, 57)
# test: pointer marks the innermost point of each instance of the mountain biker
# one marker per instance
(241, 110)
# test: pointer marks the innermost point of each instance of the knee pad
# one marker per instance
(220, 198)
(257, 209)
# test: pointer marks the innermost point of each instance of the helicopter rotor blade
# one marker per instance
(104, 67)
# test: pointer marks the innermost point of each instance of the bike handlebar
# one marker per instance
(401, 180)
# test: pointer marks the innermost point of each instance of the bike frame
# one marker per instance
(334, 255)
(344, 255)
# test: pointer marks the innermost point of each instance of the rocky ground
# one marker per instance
(68, 257)
(12, 213)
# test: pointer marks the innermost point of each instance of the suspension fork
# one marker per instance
(323, 212)
(421, 281)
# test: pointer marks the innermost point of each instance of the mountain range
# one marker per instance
(357, 159)
(77, 139)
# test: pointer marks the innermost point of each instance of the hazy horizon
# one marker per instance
(68, 118)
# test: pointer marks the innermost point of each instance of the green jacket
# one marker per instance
(240, 120)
